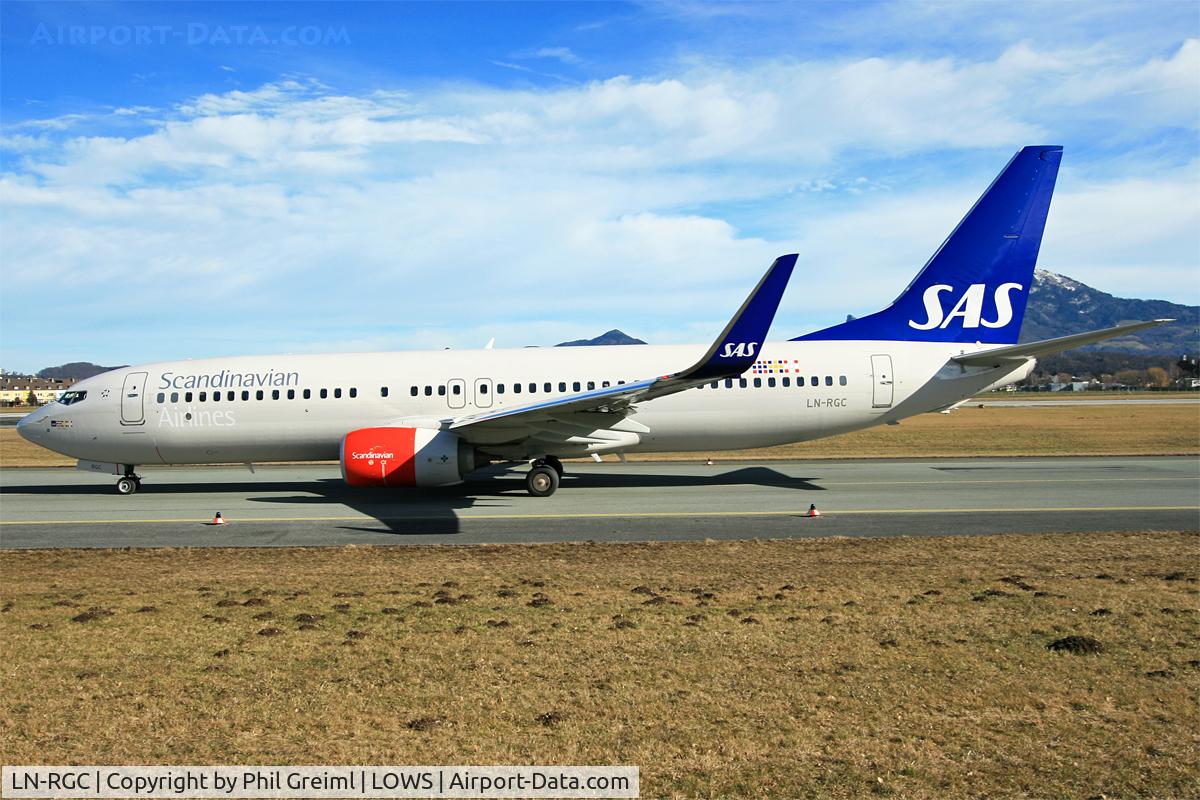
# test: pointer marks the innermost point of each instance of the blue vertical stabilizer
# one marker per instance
(975, 286)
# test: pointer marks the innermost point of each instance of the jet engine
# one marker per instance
(404, 457)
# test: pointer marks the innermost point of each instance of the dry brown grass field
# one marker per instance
(968, 431)
(907, 667)
(1170, 394)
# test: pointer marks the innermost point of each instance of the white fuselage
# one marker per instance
(298, 408)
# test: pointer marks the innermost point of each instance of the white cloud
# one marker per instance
(562, 54)
(453, 211)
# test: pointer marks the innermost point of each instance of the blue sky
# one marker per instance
(195, 179)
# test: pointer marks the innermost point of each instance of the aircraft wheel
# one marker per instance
(127, 485)
(541, 481)
(555, 464)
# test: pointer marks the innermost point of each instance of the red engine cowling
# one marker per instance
(404, 457)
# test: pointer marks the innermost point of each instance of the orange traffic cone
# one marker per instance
(812, 510)
(218, 520)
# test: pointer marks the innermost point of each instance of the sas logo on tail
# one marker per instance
(739, 350)
(969, 307)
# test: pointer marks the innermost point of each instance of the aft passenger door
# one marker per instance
(133, 395)
(881, 370)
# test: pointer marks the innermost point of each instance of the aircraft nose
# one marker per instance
(31, 426)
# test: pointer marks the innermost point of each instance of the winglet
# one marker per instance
(736, 349)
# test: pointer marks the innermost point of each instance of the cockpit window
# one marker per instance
(69, 398)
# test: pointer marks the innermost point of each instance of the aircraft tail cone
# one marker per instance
(218, 519)
(812, 510)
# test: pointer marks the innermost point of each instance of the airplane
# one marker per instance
(430, 418)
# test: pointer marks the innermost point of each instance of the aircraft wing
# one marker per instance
(733, 352)
(1019, 352)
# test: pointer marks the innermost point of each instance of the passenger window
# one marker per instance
(729, 383)
(174, 397)
(483, 388)
(274, 394)
(758, 383)
(291, 394)
(620, 383)
(429, 391)
(605, 385)
(787, 382)
(383, 391)
(800, 380)
(532, 388)
(816, 381)
(414, 391)
(324, 394)
(841, 380)
(499, 388)
(576, 386)
(716, 384)
(771, 382)
(216, 397)
(308, 394)
(229, 396)
(245, 394)
(562, 386)
(829, 380)
(337, 393)
(547, 387)
(161, 397)
(258, 395)
(354, 391)
(516, 388)
(203, 397)
(456, 389)
(187, 397)
(591, 385)
(742, 382)
(442, 390)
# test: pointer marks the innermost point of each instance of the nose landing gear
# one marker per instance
(130, 482)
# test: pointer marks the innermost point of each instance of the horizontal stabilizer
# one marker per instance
(1046, 347)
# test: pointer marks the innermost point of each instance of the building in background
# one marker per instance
(15, 390)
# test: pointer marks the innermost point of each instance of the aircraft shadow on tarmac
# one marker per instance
(432, 511)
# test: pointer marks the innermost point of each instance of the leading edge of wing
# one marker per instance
(733, 352)
(611, 399)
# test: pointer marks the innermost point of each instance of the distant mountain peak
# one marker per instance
(77, 370)
(1060, 306)
(1044, 277)
(609, 338)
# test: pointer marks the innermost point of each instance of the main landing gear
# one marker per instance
(543, 479)
(129, 482)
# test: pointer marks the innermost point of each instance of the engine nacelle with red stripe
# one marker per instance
(404, 457)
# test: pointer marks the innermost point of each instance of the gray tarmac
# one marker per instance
(308, 505)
